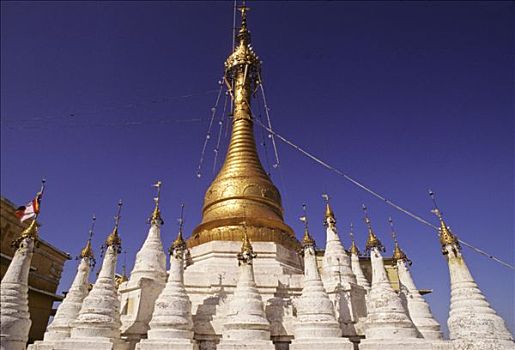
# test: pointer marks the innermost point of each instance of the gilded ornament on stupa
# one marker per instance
(372, 240)
(155, 217)
(353, 247)
(444, 232)
(114, 240)
(246, 254)
(398, 253)
(242, 183)
(30, 232)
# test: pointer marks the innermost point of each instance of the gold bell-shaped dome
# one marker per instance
(242, 191)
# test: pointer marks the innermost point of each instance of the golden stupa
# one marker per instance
(242, 191)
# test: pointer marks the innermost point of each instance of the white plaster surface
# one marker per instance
(98, 325)
(336, 262)
(418, 308)
(68, 310)
(316, 324)
(473, 324)
(246, 325)
(361, 280)
(171, 326)
(14, 314)
(147, 280)
(387, 318)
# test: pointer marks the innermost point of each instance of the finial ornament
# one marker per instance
(353, 248)
(246, 254)
(155, 218)
(243, 60)
(87, 251)
(398, 253)
(330, 219)
(444, 231)
(114, 239)
(307, 240)
(179, 245)
(32, 230)
(372, 240)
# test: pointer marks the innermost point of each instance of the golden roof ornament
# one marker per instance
(330, 219)
(243, 56)
(246, 254)
(87, 251)
(155, 218)
(353, 248)
(307, 240)
(372, 240)
(114, 240)
(398, 253)
(444, 231)
(179, 244)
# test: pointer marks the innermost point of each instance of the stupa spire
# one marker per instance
(336, 262)
(242, 182)
(316, 325)
(418, 309)
(69, 309)
(246, 325)
(147, 278)
(98, 322)
(473, 323)
(14, 300)
(398, 253)
(87, 251)
(361, 280)
(372, 240)
(155, 218)
(171, 326)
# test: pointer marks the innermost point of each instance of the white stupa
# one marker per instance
(418, 309)
(361, 280)
(171, 327)
(98, 325)
(473, 324)
(388, 326)
(339, 279)
(246, 325)
(147, 280)
(68, 310)
(316, 326)
(14, 313)
(336, 262)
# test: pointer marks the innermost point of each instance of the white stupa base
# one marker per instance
(396, 344)
(483, 344)
(322, 343)
(228, 344)
(168, 344)
(442, 345)
(93, 343)
(11, 345)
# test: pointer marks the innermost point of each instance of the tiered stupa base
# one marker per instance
(245, 344)
(399, 344)
(173, 344)
(97, 343)
(322, 343)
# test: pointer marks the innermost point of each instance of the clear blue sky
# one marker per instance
(404, 96)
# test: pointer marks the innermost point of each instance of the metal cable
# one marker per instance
(208, 134)
(267, 110)
(377, 195)
(220, 129)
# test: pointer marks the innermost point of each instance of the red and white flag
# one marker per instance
(30, 210)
